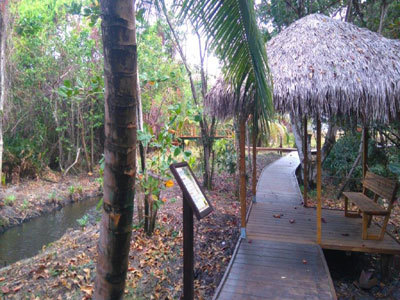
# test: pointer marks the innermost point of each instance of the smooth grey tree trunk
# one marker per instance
(3, 73)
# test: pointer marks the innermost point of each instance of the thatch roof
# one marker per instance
(223, 102)
(323, 66)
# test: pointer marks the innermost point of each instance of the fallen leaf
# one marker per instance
(87, 289)
(304, 261)
(2, 279)
(17, 288)
(5, 290)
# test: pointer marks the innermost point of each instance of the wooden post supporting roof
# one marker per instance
(305, 162)
(242, 174)
(319, 170)
(365, 150)
(254, 176)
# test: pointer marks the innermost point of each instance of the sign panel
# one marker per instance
(191, 189)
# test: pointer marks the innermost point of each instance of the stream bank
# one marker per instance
(34, 198)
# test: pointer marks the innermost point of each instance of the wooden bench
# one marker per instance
(380, 187)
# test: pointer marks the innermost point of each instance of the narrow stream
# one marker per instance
(27, 239)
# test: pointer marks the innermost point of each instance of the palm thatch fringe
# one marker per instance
(326, 67)
(223, 102)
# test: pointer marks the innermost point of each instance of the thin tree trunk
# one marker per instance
(297, 128)
(84, 141)
(330, 140)
(348, 11)
(91, 136)
(250, 166)
(120, 67)
(3, 73)
(60, 137)
(207, 132)
(384, 9)
(353, 167)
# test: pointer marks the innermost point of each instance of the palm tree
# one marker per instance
(235, 37)
(121, 91)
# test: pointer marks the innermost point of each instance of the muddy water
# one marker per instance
(27, 239)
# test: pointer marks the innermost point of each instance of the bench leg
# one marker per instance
(346, 210)
(364, 226)
(369, 220)
(383, 229)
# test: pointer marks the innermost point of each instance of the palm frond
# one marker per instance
(235, 38)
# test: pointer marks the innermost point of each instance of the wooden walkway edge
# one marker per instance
(275, 269)
(280, 258)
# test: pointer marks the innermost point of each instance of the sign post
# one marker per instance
(194, 201)
(188, 253)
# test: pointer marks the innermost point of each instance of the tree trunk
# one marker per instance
(384, 9)
(330, 139)
(297, 128)
(3, 73)
(207, 132)
(348, 11)
(120, 67)
(353, 167)
(85, 150)
(91, 136)
(250, 165)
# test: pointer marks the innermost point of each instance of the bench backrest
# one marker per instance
(386, 188)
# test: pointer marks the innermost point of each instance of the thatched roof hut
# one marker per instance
(325, 67)
(223, 102)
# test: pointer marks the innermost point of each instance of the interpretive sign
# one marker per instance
(194, 200)
(191, 189)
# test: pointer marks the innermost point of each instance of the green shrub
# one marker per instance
(52, 195)
(83, 221)
(71, 190)
(344, 153)
(9, 200)
(79, 189)
(25, 205)
(225, 155)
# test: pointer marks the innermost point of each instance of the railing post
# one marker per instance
(242, 174)
(305, 162)
(254, 177)
(319, 171)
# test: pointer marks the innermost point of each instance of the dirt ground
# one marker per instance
(66, 269)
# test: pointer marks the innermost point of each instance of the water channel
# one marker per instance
(27, 239)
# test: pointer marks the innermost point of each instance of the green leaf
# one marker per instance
(177, 151)
(236, 39)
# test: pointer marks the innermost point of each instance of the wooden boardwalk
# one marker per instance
(280, 258)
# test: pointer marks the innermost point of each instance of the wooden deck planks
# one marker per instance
(269, 263)
(276, 270)
(338, 232)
